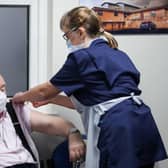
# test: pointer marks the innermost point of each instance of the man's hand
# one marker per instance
(77, 147)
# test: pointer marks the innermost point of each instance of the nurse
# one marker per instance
(102, 82)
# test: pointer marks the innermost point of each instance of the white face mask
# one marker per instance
(3, 101)
(73, 48)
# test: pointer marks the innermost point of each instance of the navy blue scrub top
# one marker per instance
(97, 74)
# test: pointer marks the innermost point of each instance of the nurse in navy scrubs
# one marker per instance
(102, 82)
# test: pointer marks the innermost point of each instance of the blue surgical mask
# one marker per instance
(73, 48)
(68, 43)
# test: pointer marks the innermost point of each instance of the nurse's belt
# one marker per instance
(90, 116)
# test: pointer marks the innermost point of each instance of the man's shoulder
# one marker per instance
(23, 113)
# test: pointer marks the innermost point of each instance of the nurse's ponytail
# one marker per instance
(110, 38)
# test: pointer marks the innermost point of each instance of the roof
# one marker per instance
(129, 12)
(121, 3)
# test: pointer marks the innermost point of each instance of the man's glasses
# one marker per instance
(65, 36)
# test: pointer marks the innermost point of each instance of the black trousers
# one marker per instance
(148, 166)
(25, 165)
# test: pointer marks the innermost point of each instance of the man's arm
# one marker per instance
(55, 125)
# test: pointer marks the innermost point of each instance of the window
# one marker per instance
(115, 13)
(100, 13)
(14, 47)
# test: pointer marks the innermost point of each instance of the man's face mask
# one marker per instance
(3, 101)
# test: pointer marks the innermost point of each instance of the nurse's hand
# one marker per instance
(17, 98)
(40, 103)
(77, 147)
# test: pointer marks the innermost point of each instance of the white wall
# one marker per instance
(149, 52)
(59, 49)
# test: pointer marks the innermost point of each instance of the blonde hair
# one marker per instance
(87, 18)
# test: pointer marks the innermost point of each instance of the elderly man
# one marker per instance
(17, 149)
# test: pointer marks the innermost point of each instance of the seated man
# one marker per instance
(14, 153)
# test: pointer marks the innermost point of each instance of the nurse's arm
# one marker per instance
(38, 93)
(58, 100)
